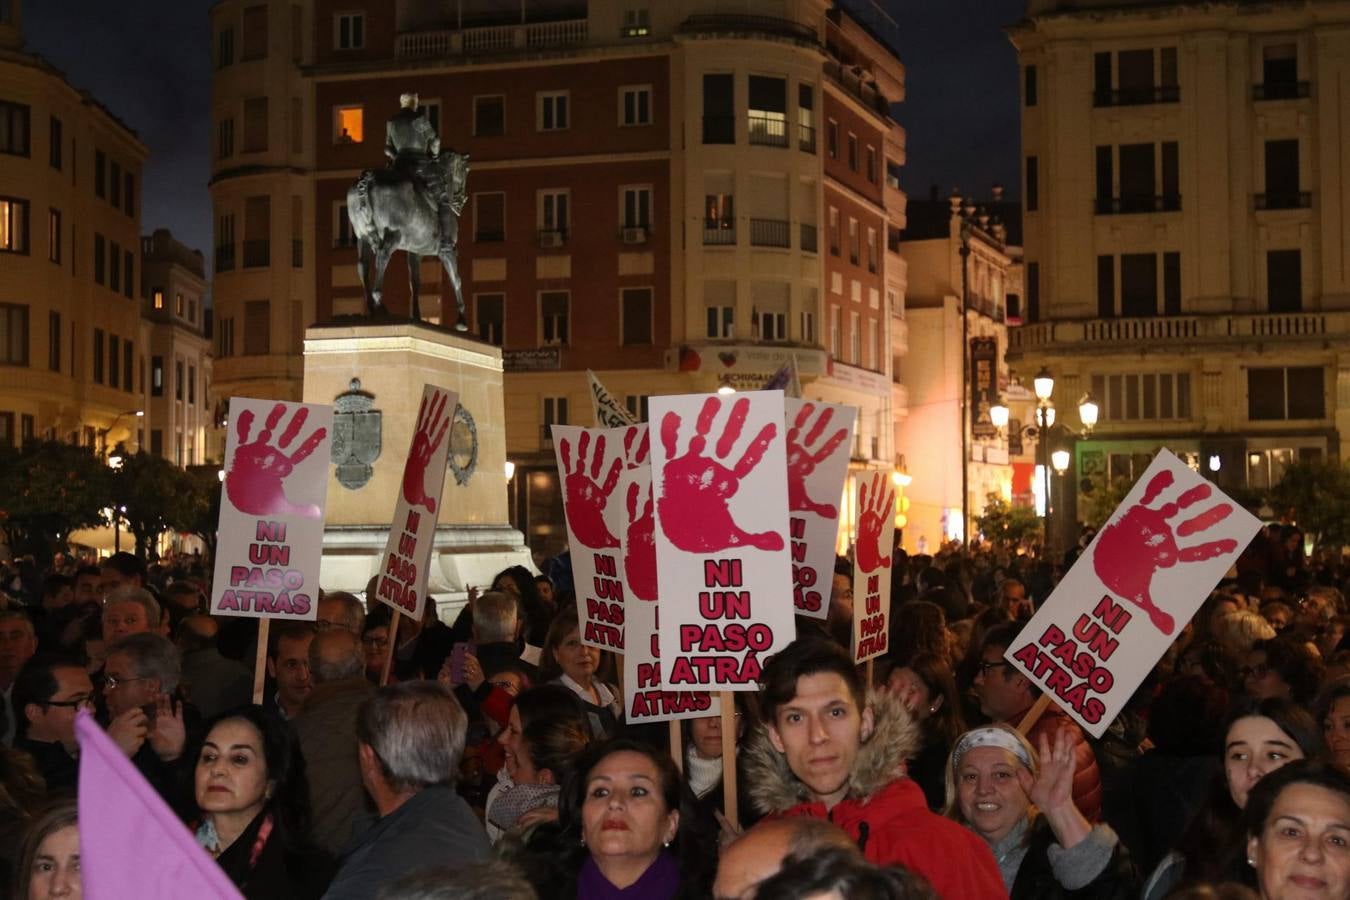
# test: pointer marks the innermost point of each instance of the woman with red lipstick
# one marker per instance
(1298, 832)
(569, 662)
(249, 789)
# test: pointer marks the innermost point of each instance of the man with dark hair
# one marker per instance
(58, 592)
(826, 752)
(122, 569)
(1006, 695)
(759, 853)
(18, 643)
(288, 664)
(88, 585)
(49, 691)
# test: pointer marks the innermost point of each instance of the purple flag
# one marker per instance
(132, 846)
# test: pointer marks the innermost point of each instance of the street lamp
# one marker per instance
(1044, 385)
(1060, 460)
(1087, 412)
(104, 432)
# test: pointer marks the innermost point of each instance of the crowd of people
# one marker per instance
(497, 762)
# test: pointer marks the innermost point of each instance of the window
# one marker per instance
(871, 164)
(719, 109)
(431, 109)
(54, 143)
(114, 265)
(872, 250)
(1282, 176)
(157, 298)
(1136, 80)
(635, 105)
(852, 152)
(489, 217)
(100, 254)
(636, 309)
(773, 325)
(854, 248)
(1106, 287)
(635, 23)
(257, 231)
(255, 124)
(1284, 281)
(192, 384)
(178, 380)
(225, 243)
(719, 211)
(1033, 185)
(14, 129)
(224, 48)
(53, 235)
(832, 139)
(298, 125)
(768, 111)
(225, 337)
(553, 314)
(834, 331)
(552, 111)
(490, 315)
(1033, 291)
(555, 413)
(54, 341)
(834, 231)
(257, 328)
(225, 138)
(156, 376)
(1029, 85)
(1150, 395)
(553, 212)
(343, 235)
(639, 406)
(351, 31)
(128, 274)
(13, 335)
(129, 194)
(100, 174)
(114, 361)
(98, 356)
(806, 118)
(1286, 393)
(1172, 284)
(721, 321)
(157, 441)
(348, 123)
(1279, 71)
(1138, 284)
(128, 364)
(873, 346)
(855, 339)
(254, 37)
(636, 207)
(489, 116)
(115, 184)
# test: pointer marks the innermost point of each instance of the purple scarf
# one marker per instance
(661, 881)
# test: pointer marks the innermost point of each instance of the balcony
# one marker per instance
(225, 258)
(866, 93)
(1140, 203)
(719, 234)
(1105, 335)
(808, 238)
(1145, 96)
(492, 39)
(767, 130)
(770, 233)
(806, 139)
(750, 26)
(257, 254)
(1284, 200)
(1282, 90)
(719, 129)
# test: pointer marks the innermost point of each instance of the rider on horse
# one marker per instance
(414, 150)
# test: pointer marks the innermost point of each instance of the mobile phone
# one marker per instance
(457, 654)
(149, 709)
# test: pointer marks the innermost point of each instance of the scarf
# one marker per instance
(1010, 852)
(661, 881)
(703, 775)
(515, 801)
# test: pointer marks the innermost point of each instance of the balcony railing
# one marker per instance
(719, 129)
(1284, 200)
(806, 138)
(1163, 93)
(767, 130)
(848, 78)
(769, 233)
(492, 39)
(1281, 90)
(1140, 203)
(257, 254)
(1178, 330)
(225, 258)
(808, 238)
(719, 234)
(754, 25)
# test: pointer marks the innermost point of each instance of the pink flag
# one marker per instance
(132, 846)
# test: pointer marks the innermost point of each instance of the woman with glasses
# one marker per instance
(47, 695)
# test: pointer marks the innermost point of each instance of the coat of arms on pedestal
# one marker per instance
(356, 436)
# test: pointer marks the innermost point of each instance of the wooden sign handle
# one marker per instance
(1034, 715)
(677, 745)
(260, 661)
(730, 804)
(389, 650)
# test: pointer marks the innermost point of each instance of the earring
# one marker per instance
(1251, 862)
(583, 840)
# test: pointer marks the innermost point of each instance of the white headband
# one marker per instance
(990, 736)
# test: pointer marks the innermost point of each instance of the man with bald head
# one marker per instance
(213, 682)
(759, 853)
(326, 730)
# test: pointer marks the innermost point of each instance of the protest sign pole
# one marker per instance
(1033, 715)
(389, 651)
(728, 756)
(676, 750)
(260, 662)
(871, 670)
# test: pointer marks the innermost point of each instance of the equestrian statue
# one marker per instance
(413, 205)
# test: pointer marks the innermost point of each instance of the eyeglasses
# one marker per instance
(112, 682)
(72, 703)
(985, 668)
(1260, 671)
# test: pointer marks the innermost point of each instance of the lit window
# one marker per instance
(348, 124)
(159, 299)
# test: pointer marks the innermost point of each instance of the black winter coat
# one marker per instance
(1036, 879)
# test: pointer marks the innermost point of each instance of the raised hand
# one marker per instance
(586, 496)
(1051, 789)
(872, 555)
(431, 427)
(128, 730)
(639, 554)
(1131, 550)
(801, 462)
(695, 489)
(254, 480)
(169, 734)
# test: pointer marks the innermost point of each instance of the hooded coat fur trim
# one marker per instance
(896, 737)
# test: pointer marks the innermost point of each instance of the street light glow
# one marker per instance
(1044, 384)
(1060, 460)
(998, 415)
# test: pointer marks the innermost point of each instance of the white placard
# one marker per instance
(819, 438)
(872, 565)
(270, 537)
(719, 476)
(402, 582)
(1132, 591)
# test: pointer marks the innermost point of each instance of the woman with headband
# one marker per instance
(1023, 807)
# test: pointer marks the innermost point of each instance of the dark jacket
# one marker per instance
(59, 769)
(435, 826)
(1036, 876)
(884, 812)
(214, 683)
(326, 731)
(273, 871)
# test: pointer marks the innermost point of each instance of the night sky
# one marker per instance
(149, 61)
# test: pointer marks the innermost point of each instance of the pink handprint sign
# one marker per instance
(802, 459)
(818, 441)
(639, 540)
(432, 423)
(872, 565)
(874, 551)
(258, 468)
(587, 496)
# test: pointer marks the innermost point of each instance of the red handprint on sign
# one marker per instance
(431, 420)
(1132, 549)
(586, 497)
(801, 462)
(872, 554)
(695, 490)
(639, 550)
(253, 483)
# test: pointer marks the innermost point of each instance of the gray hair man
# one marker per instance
(759, 853)
(492, 880)
(140, 678)
(339, 609)
(411, 739)
(129, 610)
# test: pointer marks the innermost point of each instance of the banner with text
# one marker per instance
(872, 553)
(270, 536)
(590, 461)
(609, 413)
(412, 533)
(719, 477)
(1103, 628)
(819, 438)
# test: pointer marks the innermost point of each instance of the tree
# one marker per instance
(204, 506)
(1318, 492)
(1103, 495)
(47, 490)
(155, 495)
(1001, 523)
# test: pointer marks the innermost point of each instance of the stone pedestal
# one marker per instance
(374, 372)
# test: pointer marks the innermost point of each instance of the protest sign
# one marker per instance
(403, 573)
(1103, 628)
(872, 566)
(819, 438)
(719, 477)
(609, 413)
(270, 536)
(590, 461)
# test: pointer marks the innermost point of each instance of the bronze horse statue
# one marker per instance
(389, 211)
